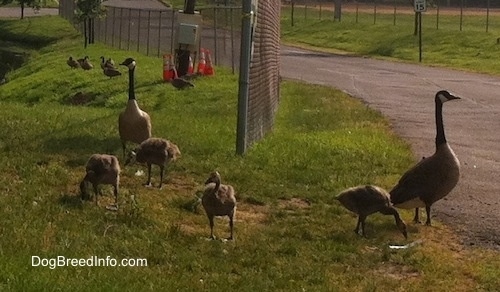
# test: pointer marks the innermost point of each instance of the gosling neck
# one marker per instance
(217, 186)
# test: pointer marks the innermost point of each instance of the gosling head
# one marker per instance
(130, 63)
(213, 178)
(443, 96)
(131, 158)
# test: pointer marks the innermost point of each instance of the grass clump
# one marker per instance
(290, 232)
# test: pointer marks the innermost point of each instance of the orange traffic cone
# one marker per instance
(167, 66)
(201, 63)
(191, 66)
(209, 69)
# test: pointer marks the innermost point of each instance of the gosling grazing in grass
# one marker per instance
(101, 169)
(134, 124)
(73, 63)
(433, 177)
(366, 200)
(155, 151)
(218, 200)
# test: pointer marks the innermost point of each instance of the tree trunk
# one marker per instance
(22, 10)
(90, 32)
(337, 12)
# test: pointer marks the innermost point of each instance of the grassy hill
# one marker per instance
(291, 234)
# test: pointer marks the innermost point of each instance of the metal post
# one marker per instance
(159, 35)
(374, 12)
(215, 36)
(172, 32)
(138, 30)
(113, 30)
(395, 4)
(149, 29)
(461, 13)
(128, 31)
(120, 29)
(293, 10)
(232, 41)
(244, 79)
(419, 36)
(437, 14)
(487, 15)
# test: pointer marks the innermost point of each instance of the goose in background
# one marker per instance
(73, 63)
(109, 63)
(85, 63)
(433, 177)
(180, 83)
(366, 200)
(134, 124)
(218, 200)
(111, 72)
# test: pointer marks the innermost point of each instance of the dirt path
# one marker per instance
(405, 94)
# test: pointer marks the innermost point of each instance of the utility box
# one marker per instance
(188, 31)
(188, 34)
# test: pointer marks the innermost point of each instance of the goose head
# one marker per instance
(130, 63)
(402, 227)
(213, 178)
(443, 96)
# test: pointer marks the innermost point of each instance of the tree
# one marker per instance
(35, 4)
(86, 12)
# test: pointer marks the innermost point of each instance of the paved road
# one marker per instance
(405, 94)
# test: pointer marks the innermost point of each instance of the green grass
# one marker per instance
(290, 232)
(471, 49)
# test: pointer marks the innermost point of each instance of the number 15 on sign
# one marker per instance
(420, 6)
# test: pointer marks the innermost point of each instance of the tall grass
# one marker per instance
(290, 232)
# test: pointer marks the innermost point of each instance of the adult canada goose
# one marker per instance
(366, 200)
(134, 124)
(72, 63)
(107, 63)
(218, 200)
(433, 177)
(111, 72)
(85, 63)
(155, 151)
(180, 83)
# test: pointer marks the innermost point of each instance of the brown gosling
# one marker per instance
(72, 63)
(218, 200)
(155, 151)
(433, 177)
(101, 169)
(134, 124)
(366, 200)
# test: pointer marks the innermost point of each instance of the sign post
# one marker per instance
(420, 6)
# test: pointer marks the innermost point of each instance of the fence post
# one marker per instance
(215, 36)
(138, 31)
(120, 29)
(113, 30)
(128, 32)
(159, 35)
(149, 29)
(487, 15)
(232, 41)
(246, 43)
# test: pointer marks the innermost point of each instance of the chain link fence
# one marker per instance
(264, 71)
(151, 32)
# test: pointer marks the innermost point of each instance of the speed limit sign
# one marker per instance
(420, 6)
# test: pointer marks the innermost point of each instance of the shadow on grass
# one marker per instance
(27, 38)
(81, 146)
(71, 201)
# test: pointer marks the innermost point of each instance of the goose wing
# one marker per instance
(420, 180)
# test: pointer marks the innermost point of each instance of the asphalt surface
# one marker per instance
(405, 94)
